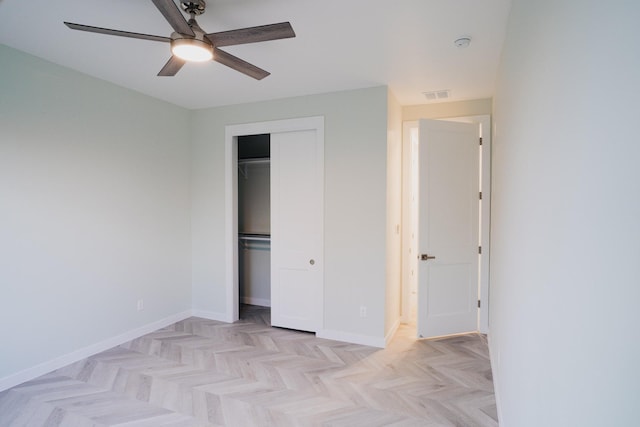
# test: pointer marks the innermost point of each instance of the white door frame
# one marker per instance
(485, 212)
(231, 195)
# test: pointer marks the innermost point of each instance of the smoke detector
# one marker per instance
(462, 42)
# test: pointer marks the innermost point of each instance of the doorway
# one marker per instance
(296, 220)
(254, 220)
(410, 263)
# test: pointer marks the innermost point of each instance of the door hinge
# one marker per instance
(478, 303)
(480, 140)
(480, 195)
(480, 250)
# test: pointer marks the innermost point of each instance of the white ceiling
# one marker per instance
(339, 45)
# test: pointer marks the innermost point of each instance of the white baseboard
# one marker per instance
(392, 332)
(212, 315)
(67, 359)
(262, 302)
(495, 374)
(351, 338)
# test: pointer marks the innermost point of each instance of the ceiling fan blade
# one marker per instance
(238, 64)
(116, 32)
(172, 66)
(173, 15)
(261, 33)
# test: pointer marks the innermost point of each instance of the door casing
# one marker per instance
(231, 197)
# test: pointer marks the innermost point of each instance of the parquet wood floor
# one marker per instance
(206, 373)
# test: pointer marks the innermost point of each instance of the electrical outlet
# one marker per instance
(363, 311)
(140, 304)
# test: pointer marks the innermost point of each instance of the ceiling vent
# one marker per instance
(437, 95)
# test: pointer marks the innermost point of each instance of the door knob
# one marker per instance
(426, 257)
(311, 262)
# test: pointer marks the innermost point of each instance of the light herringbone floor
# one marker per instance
(207, 373)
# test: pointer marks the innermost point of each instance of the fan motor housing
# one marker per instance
(195, 7)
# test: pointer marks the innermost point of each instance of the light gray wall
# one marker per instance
(94, 211)
(393, 292)
(254, 216)
(355, 201)
(254, 199)
(255, 273)
(565, 276)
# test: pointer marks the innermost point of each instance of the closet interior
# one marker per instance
(254, 219)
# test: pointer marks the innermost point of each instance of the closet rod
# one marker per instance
(254, 160)
(257, 237)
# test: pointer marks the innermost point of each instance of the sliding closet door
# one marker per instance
(297, 189)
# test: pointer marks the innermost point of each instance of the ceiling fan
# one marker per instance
(190, 43)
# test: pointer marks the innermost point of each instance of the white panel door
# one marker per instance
(297, 189)
(448, 220)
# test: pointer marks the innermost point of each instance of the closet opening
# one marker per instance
(254, 225)
(294, 188)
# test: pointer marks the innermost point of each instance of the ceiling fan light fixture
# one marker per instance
(189, 43)
(192, 50)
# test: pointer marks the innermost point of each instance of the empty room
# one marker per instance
(296, 213)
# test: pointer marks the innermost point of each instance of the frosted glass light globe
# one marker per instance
(192, 50)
